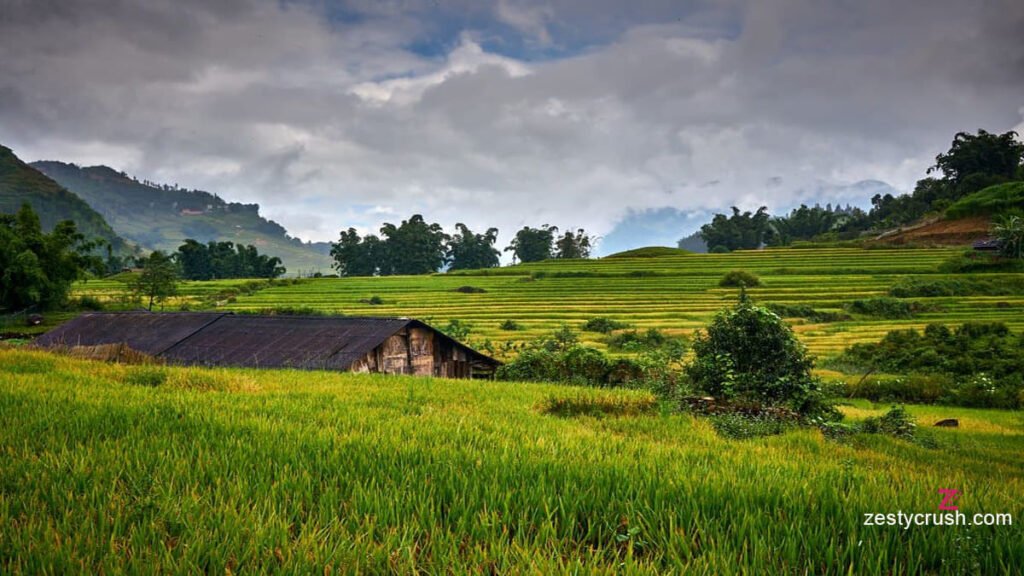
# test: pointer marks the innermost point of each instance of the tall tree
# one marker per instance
(741, 231)
(979, 155)
(158, 280)
(533, 244)
(413, 247)
(469, 251)
(37, 269)
(355, 256)
(573, 245)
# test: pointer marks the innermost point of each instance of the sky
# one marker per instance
(624, 118)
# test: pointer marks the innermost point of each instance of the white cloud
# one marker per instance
(312, 118)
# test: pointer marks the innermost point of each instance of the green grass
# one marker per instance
(108, 468)
(676, 294)
(992, 200)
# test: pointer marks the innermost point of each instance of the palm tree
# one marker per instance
(1010, 233)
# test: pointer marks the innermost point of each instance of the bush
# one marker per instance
(897, 422)
(633, 341)
(750, 353)
(289, 311)
(87, 302)
(718, 250)
(603, 325)
(470, 290)
(372, 300)
(739, 279)
(805, 311)
(977, 364)
(884, 307)
(992, 200)
(584, 365)
(973, 261)
(742, 427)
(149, 376)
(510, 325)
(962, 286)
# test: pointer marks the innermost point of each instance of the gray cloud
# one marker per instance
(340, 119)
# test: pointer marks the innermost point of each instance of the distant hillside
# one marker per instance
(20, 183)
(162, 217)
(650, 252)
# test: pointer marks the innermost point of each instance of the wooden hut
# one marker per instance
(379, 345)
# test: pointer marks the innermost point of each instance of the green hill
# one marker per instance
(20, 183)
(650, 252)
(992, 200)
(161, 217)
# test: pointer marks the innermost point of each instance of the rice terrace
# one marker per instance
(511, 287)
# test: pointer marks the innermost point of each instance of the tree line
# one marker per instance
(419, 247)
(972, 163)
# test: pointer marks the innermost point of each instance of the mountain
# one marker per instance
(20, 183)
(161, 217)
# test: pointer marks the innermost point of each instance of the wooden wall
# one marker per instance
(417, 351)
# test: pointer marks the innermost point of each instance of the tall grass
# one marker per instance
(306, 472)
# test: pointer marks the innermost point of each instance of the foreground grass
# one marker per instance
(109, 468)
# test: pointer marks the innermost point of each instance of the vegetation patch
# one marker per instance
(971, 261)
(291, 311)
(959, 286)
(650, 252)
(739, 279)
(997, 199)
(983, 364)
(806, 312)
(470, 290)
(599, 405)
(372, 300)
(891, 308)
(603, 325)
(510, 326)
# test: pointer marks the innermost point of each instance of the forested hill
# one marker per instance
(161, 217)
(20, 183)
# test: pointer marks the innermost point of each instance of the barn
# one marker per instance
(380, 345)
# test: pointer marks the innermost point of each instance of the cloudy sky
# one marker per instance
(590, 113)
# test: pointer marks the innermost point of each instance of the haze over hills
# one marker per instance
(20, 183)
(161, 217)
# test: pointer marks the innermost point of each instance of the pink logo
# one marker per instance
(949, 498)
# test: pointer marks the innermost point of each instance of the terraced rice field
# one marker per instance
(677, 294)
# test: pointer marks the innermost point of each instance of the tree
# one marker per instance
(37, 269)
(741, 231)
(355, 256)
(414, 247)
(1009, 230)
(573, 245)
(983, 154)
(469, 251)
(751, 354)
(225, 260)
(533, 244)
(158, 280)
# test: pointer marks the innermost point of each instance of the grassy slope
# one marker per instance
(993, 200)
(151, 216)
(20, 183)
(678, 294)
(245, 470)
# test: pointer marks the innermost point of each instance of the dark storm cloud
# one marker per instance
(509, 112)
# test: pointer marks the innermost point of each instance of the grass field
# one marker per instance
(675, 293)
(106, 468)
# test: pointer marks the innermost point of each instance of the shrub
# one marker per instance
(373, 300)
(972, 261)
(992, 200)
(457, 329)
(884, 307)
(897, 422)
(805, 311)
(633, 341)
(87, 302)
(718, 250)
(603, 325)
(149, 376)
(510, 325)
(739, 279)
(584, 365)
(288, 311)
(742, 427)
(470, 290)
(750, 353)
(962, 286)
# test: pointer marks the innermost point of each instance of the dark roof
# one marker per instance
(219, 339)
(147, 333)
(987, 244)
(285, 341)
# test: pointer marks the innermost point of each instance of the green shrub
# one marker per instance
(87, 302)
(718, 250)
(739, 279)
(885, 307)
(973, 262)
(603, 325)
(897, 422)
(750, 353)
(741, 427)
(633, 341)
(805, 311)
(510, 325)
(373, 300)
(962, 286)
(470, 290)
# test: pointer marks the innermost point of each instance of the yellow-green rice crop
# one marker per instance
(108, 468)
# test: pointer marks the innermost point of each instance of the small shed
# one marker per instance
(987, 245)
(379, 345)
